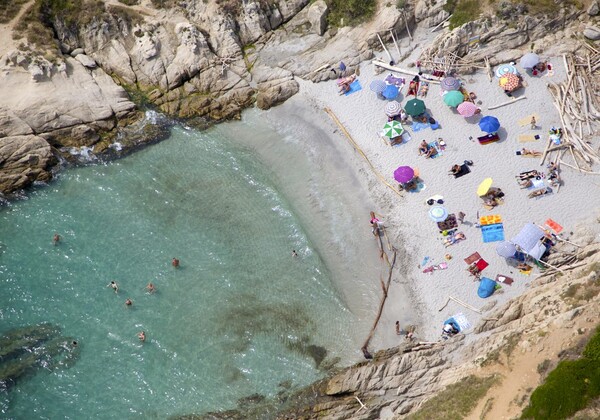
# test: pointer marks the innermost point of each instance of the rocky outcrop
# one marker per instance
(24, 160)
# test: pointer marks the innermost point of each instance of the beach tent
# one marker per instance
(529, 60)
(529, 241)
(486, 287)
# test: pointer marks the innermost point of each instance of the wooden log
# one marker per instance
(406, 23)
(580, 169)
(435, 28)
(385, 49)
(428, 77)
(466, 305)
(545, 152)
(507, 103)
(395, 43)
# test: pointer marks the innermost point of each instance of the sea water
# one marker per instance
(240, 316)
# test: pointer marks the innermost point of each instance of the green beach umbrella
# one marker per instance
(453, 98)
(393, 129)
(414, 107)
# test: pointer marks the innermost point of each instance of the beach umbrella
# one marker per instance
(467, 109)
(489, 124)
(506, 68)
(509, 82)
(529, 60)
(392, 108)
(450, 83)
(438, 213)
(453, 98)
(404, 174)
(390, 92)
(484, 187)
(377, 86)
(506, 249)
(414, 107)
(393, 129)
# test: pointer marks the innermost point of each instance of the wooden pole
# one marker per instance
(406, 23)
(385, 49)
(395, 43)
(428, 77)
(512, 101)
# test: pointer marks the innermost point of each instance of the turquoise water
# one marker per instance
(235, 319)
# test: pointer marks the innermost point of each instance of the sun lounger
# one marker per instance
(525, 138)
(490, 138)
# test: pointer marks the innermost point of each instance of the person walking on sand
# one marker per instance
(56, 239)
(533, 123)
(461, 217)
(398, 327)
(175, 262)
(113, 284)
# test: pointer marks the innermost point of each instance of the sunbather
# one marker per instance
(540, 192)
(455, 170)
(457, 237)
(530, 153)
(526, 183)
(554, 178)
(426, 149)
(527, 175)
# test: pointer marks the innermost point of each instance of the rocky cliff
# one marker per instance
(68, 71)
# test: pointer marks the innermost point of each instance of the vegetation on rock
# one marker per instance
(462, 11)
(457, 400)
(10, 9)
(568, 388)
(350, 12)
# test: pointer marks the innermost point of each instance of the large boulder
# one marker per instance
(24, 160)
(593, 9)
(317, 16)
(592, 32)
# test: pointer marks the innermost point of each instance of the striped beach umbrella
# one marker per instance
(509, 82)
(529, 60)
(377, 86)
(414, 107)
(506, 68)
(450, 83)
(453, 98)
(392, 108)
(467, 109)
(390, 92)
(489, 124)
(393, 129)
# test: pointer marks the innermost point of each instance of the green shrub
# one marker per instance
(9, 9)
(130, 2)
(568, 388)
(463, 11)
(350, 12)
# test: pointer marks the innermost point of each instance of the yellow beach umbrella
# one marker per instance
(484, 187)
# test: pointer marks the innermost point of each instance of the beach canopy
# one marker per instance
(414, 107)
(506, 249)
(528, 241)
(484, 187)
(404, 174)
(467, 109)
(506, 68)
(392, 108)
(453, 98)
(529, 60)
(377, 86)
(509, 82)
(393, 129)
(450, 83)
(438, 213)
(489, 124)
(390, 92)
(486, 287)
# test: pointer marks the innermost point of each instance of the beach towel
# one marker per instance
(526, 138)
(396, 81)
(462, 321)
(472, 258)
(501, 278)
(438, 149)
(449, 223)
(464, 169)
(553, 225)
(487, 139)
(406, 137)
(490, 220)
(536, 183)
(486, 287)
(492, 233)
(527, 120)
(418, 126)
(354, 87)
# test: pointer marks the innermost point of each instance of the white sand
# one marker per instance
(409, 227)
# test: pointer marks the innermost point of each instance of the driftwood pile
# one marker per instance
(579, 108)
(449, 62)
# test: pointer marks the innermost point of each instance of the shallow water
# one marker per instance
(240, 316)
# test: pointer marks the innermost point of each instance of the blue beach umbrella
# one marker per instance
(489, 124)
(506, 68)
(390, 92)
(377, 86)
(529, 60)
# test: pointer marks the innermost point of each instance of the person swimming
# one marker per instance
(142, 336)
(175, 262)
(150, 288)
(113, 284)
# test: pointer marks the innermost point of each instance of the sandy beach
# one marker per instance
(416, 298)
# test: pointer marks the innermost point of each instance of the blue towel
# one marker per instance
(418, 126)
(354, 87)
(492, 233)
